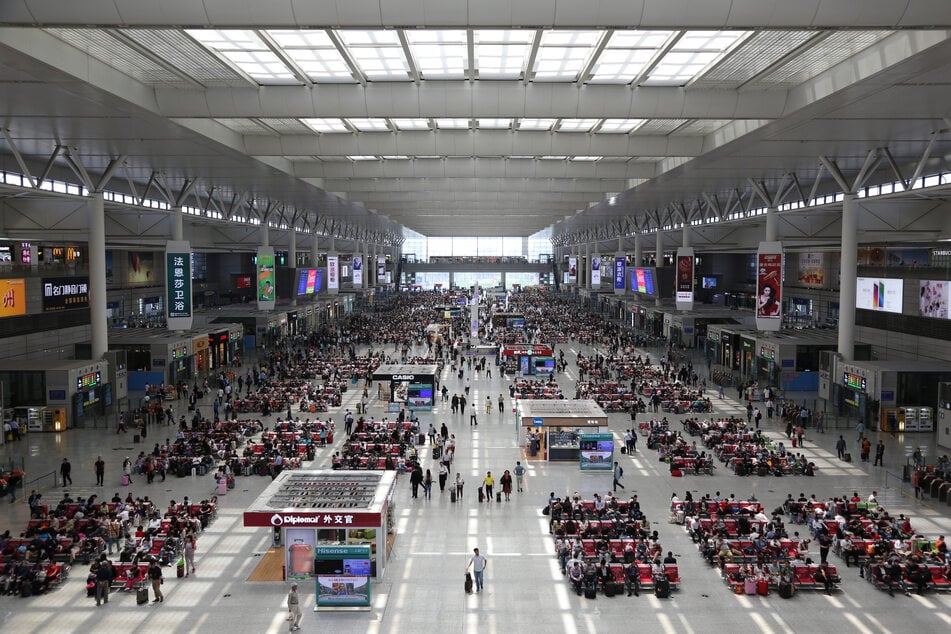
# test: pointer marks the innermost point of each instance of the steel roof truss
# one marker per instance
(19, 158)
(75, 163)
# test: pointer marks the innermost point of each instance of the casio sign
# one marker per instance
(404, 377)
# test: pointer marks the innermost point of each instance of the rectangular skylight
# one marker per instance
(452, 124)
(585, 158)
(692, 53)
(246, 51)
(626, 55)
(315, 54)
(562, 54)
(396, 157)
(576, 125)
(553, 158)
(369, 125)
(326, 125)
(619, 126)
(439, 54)
(379, 54)
(410, 124)
(362, 158)
(496, 124)
(535, 124)
(501, 54)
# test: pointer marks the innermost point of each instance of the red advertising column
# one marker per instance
(684, 278)
(769, 286)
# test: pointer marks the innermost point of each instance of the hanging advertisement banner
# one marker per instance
(357, 271)
(333, 273)
(620, 272)
(572, 270)
(266, 282)
(684, 278)
(380, 269)
(595, 271)
(178, 285)
(769, 286)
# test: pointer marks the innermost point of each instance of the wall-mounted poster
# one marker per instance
(357, 271)
(871, 256)
(812, 269)
(12, 297)
(141, 267)
(933, 298)
(266, 282)
(769, 286)
(572, 270)
(333, 272)
(620, 269)
(595, 271)
(884, 294)
(907, 258)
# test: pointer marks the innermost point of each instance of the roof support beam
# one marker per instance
(111, 170)
(19, 159)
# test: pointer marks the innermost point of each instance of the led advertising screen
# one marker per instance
(266, 281)
(883, 294)
(595, 271)
(333, 272)
(572, 270)
(642, 281)
(709, 282)
(357, 270)
(684, 278)
(933, 298)
(307, 281)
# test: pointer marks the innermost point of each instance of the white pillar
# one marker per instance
(587, 266)
(638, 250)
(685, 238)
(772, 224)
(847, 275)
(177, 221)
(332, 250)
(99, 329)
(265, 234)
(658, 261)
(314, 255)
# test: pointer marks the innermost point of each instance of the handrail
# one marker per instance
(38, 478)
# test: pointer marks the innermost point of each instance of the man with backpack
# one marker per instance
(618, 474)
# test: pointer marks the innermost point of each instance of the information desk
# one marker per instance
(560, 423)
(412, 385)
(309, 510)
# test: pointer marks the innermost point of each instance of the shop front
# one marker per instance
(54, 395)
(555, 428)
(201, 355)
(412, 386)
(322, 516)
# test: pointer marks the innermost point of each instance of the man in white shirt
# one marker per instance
(477, 563)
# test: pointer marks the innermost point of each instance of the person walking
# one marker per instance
(488, 405)
(443, 476)
(155, 576)
(428, 485)
(618, 474)
(519, 475)
(188, 550)
(501, 404)
(488, 482)
(127, 469)
(840, 447)
(879, 454)
(506, 482)
(64, 470)
(100, 471)
(628, 441)
(415, 479)
(104, 576)
(477, 563)
(293, 606)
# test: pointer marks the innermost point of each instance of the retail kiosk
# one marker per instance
(313, 510)
(528, 358)
(561, 424)
(412, 385)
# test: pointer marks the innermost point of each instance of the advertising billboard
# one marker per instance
(933, 298)
(876, 293)
(266, 282)
(684, 278)
(572, 270)
(65, 293)
(812, 269)
(357, 271)
(595, 271)
(12, 297)
(620, 269)
(178, 285)
(769, 286)
(333, 272)
(643, 281)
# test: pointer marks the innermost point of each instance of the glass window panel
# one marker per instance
(495, 123)
(576, 125)
(638, 39)
(500, 61)
(465, 245)
(490, 246)
(523, 36)
(619, 126)
(512, 247)
(440, 246)
(535, 124)
(452, 123)
(301, 39)
(522, 278)
(369, 125)
(570, 38)
(361, 38)
(326, 124)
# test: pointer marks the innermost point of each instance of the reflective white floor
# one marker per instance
(422, 590)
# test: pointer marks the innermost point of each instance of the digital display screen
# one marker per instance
(767, 353)
(242, 281)
(309, 281)
(642, 281)
(883, 294)
(854, 381)
(356, 567)
(88, 380)
(709, 282)
(516, 322)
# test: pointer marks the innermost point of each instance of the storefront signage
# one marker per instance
(684, 278)
(303, 518)
(538, 421)
(265, 280)
(403, 377)
(854, 381)
(12, 297)
(64, 293)
(178, 285)
(620, 269)
(769, 286)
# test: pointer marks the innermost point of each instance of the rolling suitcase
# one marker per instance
(749, 586)
(452, 496)
(609, 590)
(125, 479)
(662, 587)
(762, 587)
(786, 590)
(481, 495)
(591, 592)
(421, 439)
(498, 496)
(847, 457)
(468, 574)
(141, 596)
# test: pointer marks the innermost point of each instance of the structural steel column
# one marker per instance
(99, 333)
(772, 224)
(658, 261)
(847, 275)
(292, 260)
(177, 220)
